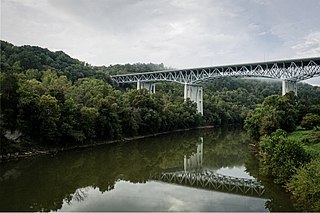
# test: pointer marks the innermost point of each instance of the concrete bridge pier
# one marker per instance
(288, 86)
(195, 93)
(150, 86)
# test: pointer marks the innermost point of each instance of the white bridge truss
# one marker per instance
(289, 71)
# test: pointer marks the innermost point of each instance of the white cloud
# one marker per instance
(309, 46)
(263, 2)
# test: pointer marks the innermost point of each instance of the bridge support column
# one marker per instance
(195, 93)
(151, 87)
(288, 86)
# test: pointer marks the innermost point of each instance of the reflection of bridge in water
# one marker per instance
(208, 179)
(195, 175)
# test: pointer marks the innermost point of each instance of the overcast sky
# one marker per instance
(178, 33)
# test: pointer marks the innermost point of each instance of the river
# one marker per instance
(197, 170)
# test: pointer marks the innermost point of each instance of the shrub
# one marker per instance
(280, 156)
(310, 120)
(305, 186)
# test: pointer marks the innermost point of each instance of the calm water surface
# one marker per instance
(199, 170)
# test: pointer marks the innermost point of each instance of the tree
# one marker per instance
(88, 92)
(88, 120)
(33, 74)
(9, 101)
(276, 112)
(130, 119)
(28, 120)
(108, 123)
(70, 122)
(56, 86)
(49, 115)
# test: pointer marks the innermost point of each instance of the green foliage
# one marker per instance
(305, 186)
(55, 110)
(88, 118)
(281, 157)
(308, 100)
(300, 135)
(310, 120)
(313, 148)
(308, 137)
(133, 68)
(49, 115)
(70, 122)
(28, 120)
(108, 122)
(276, 112)
(9, 98)
(88, 92)
(230, 105)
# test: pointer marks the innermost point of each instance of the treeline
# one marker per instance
(53, 99)
(288, 160)
(50, 97)
(22, 58)
(54, 109)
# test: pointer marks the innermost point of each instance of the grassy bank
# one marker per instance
(310, 140)
(305, 184)
(293, 161)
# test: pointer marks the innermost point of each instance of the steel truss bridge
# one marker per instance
(208, 179)
(289, 71)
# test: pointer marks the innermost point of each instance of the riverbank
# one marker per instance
(293, 161)
(310, 140)
(304, 184)
(46, 151)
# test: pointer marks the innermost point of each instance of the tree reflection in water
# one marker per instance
(46, 182)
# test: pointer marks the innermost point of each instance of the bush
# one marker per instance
(310, 120)
(281, 157)
(276, 112)
(305, 186)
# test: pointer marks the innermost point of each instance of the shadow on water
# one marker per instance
(44, 183)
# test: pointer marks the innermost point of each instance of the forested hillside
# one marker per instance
(51, 98)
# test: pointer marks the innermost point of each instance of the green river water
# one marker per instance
(138, 176)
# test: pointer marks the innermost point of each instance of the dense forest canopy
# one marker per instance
(52, 98)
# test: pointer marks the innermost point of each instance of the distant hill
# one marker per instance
(33, 57)
(22, 58)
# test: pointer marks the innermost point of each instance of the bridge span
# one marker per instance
(289, 71)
